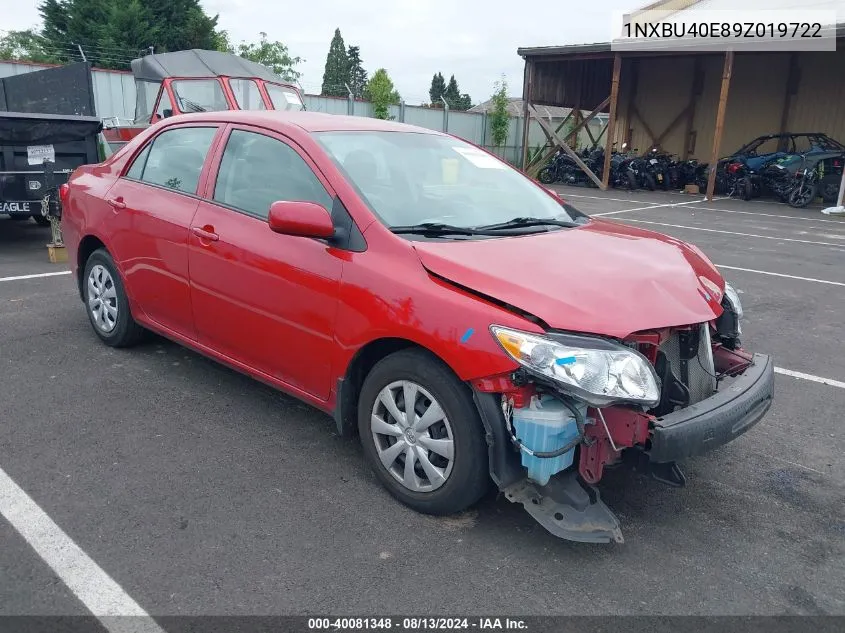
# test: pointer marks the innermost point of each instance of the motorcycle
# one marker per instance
(805, 190)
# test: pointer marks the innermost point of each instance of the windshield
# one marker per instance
(199, 95)
(246, 94)
(283, 98)
(409, 178)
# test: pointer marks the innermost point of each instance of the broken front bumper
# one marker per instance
(719, 419)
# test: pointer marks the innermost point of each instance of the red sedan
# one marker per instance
(466, 322)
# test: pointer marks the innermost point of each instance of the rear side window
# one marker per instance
(174, 159)
(257, 170)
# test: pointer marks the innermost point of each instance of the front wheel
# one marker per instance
(546, 175)
(422, 435)
(106, 302)
(802, 195)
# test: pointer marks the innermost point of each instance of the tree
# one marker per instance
(112, 32)
(356, 75)
(336, 73)
(437, 90)
(128, 29)
(26, 46)
(454, 98)
(274, 55)
(382, 93)
(498, 116)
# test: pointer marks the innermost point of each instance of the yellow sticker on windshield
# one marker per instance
(479, 158)
(450, 167)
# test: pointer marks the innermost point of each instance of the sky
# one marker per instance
(476, 40)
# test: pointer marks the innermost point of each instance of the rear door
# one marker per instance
(155, 200)
(263, 299)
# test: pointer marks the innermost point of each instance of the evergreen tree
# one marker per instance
(452, 93)
(437, 90)
(336, 73)
(356, 74)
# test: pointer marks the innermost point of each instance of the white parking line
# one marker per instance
(101, 595)
(773, 215)
(652, 206)
(766, 272)
(764, 237)
(20, 277)
(797, 374)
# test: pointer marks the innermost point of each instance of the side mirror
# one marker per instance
(306, 219)
(167, 112)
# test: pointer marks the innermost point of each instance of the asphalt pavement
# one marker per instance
(201, 491)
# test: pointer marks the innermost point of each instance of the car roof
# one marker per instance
(308, 121)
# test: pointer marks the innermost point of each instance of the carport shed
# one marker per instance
(691, 103)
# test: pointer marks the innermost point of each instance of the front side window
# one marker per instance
(174, 159)
(247, 95)
(409, 178)
(146, 93)
(199, 95)
(284, 98)
(258, 170)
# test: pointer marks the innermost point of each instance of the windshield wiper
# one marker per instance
(435, 228)
(517, 223)
(193, 105)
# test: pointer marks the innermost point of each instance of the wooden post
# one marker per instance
(792, 79)
(526, 119)
(840, 201)
(720, 122)
(695, 95)
(611, 121)
(562, 144)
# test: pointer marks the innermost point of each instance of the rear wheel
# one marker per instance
(106, 302)
(649, 182)
(421, 433)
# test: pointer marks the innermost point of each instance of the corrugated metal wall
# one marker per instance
(114, 95)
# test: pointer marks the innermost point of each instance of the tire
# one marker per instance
(546, 176)
(40, 220)
(745, 189)
(829, 189)
(632, 182)
(802, 196)
(649, 182)
(464, 479)
(119, 329)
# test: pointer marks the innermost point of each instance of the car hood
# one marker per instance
(601, 278)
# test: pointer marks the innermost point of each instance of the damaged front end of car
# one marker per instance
(580, 404)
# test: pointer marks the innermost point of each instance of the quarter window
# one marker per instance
(174, 159)
(257, 170)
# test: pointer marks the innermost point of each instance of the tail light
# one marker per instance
(64, 190)
(733, 168)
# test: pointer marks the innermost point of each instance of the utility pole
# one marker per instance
(445, 115)
(81, 52)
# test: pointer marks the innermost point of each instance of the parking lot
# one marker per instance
(200, 491)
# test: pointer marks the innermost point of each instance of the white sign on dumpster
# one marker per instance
(37, 154)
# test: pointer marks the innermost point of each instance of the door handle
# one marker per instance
(205, 234)
(117, 203)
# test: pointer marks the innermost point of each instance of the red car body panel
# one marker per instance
(293, 311)
(602, 278)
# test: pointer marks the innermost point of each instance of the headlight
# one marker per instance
(597, 371)
(733, 297)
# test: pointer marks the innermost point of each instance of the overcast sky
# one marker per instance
(476, 40)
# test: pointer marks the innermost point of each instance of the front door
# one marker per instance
(264, 299)
(155, 201)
